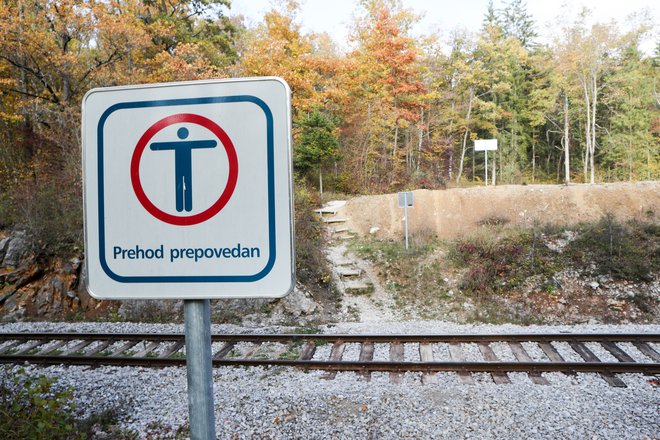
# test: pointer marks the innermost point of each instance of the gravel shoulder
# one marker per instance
(281, 403)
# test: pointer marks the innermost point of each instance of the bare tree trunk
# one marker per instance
(533, 161)
(587, 128)
(473, 164)
(465, 135)
(396, 140)
(630, 164)
(366, 149)
(26, 123)
(593, 128)
(494, 169)
(567, 143)
(420, 134)
(451, 131)
(409, 150)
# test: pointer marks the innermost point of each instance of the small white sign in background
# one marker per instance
(188, 190)
(485, 145)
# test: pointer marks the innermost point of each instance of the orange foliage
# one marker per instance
(278, 48)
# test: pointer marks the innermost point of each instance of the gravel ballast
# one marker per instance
(283, 403)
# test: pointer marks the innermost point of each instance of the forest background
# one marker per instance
(394, 112)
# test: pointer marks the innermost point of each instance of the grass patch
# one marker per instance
(292, 353)
(413, 276)
(308, 330)
(493, 220)
(390, 250)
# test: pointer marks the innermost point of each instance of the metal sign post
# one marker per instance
(486, 167)
(197, 314)
(188, 195)
(405, 200)
(485, 145)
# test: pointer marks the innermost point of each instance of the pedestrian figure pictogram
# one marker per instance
(183, 165)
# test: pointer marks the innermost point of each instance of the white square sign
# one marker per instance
(188, 190)
(485, 145)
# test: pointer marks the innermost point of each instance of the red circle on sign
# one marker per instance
(200, 217)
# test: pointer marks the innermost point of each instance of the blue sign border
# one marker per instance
(271, 191)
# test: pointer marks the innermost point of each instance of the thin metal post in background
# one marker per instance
(486, 167)
(199, 366)
(405, 215)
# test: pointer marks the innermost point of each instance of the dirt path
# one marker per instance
(369, 304)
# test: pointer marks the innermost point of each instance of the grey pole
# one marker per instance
(197, 315)
(486, 166)
(405, 210)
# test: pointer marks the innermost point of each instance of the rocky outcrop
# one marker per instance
(54, 289)
(36, 288)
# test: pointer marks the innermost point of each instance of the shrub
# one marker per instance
(624, 251)
(41, 188)
(413, 275)
(311, 265)
(493, 220)
(503, 263)
(52, 217)
(32, 408)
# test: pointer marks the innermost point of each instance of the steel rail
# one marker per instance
(349, 338)
(384, 366)
(34, 353)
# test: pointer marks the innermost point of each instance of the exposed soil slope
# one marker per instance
(459, 211)
(424, 284)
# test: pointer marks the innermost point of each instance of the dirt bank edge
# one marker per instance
(460, 211)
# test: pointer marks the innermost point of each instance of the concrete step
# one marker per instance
(344, 237)
(334, 220)
(348, 271)
(323, 211)
(340, 229)
(343, 262)
(359, 287)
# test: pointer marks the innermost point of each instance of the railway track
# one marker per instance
(497, 355)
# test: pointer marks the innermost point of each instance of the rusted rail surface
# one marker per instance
(301, 350)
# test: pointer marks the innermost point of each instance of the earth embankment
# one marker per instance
(459, 211)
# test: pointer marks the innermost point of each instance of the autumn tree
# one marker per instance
(277, 47)
(461, 89)
(518, 89)
(311, 67)
(187, 39)
(385, 87)
(589, 54)
(53, 52)
(630, 150)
